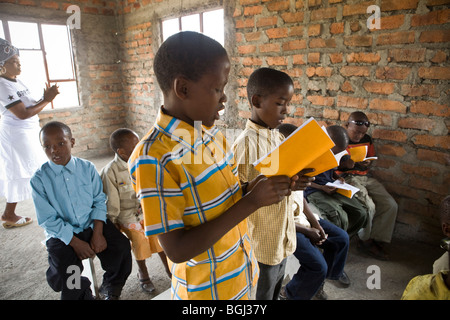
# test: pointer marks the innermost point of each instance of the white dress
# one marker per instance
(21, 153)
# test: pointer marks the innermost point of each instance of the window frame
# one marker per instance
(200, 12)
(6, 31)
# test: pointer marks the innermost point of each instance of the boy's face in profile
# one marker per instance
(356, 131)
(270, 110)
(57, 145)
(206, 96)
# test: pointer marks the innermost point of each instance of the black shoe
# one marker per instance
(320, 295)
(342, 282)
(107, 295)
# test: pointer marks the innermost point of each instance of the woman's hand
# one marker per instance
(50, 92)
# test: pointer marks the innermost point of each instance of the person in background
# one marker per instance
(20, 151)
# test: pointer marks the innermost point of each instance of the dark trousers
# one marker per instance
(315, 266)
(270, 281)
(115, 261)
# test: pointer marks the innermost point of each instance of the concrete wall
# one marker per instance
(398, 75)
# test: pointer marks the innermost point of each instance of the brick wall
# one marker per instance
(398, 75)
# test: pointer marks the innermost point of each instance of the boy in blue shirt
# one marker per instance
(71, 207)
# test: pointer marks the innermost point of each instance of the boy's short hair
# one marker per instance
(265, 81)
(56, 124)
(119, 137)
(339, 136)
(357, 115)
(188, 54)
(286, 129)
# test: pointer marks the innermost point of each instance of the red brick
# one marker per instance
(336, 57)
(430, 108)
(292, 17)
(395, 73)
(352, 102)
(269, 47)
(391, 150)
(392, 135)
(337, 27)
(395, 38)
(437, 2)
(362, 57)
(439, 57)
(252, 36)
(358, 71)
(314, 57)
(252, 61)
(379, 87)
(296, 31)
(49, 4)
(298, 59)
(433, 17)
(347, 87)
(251, 11)
(319, 71)
(416, 123)
(246, 49)
(294, 45)
(331, 114)
(439, 73)
(321, 101)
(433, 36)
(357, 8)
(420, 90)
(391, 22)
(267, 21)
(387, 105)
(277, 5)
(314, 30)
(276, 61)
(407, 55)
(276, 33)
(434, 156)
(419, 170)
(391, 5)
(322, 43)
(322, 14)
(358, 41)
(433, 141)
(245, 23)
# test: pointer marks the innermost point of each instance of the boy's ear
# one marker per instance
(446, 229)
(256, 100)
(180, 87)
(72, 141)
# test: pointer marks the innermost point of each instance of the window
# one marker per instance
(46, 57)
(210, 23)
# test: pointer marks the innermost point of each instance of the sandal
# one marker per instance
(146, 284)
(23, 221)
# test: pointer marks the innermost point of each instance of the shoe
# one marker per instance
(342, 282)
(106, 294)
(23, 221)
(320, 294)
(283, 295)
(146, 284)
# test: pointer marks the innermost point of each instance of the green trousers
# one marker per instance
(344, 212)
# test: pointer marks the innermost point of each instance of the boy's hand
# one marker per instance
(347, 164)
(328, 189)
(266, 191)
(300, 181)
(98, 241)
(82, 249)
(316, 236)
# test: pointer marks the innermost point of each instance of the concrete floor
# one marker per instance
(23, 263)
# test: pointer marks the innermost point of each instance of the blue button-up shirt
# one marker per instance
(68, 198)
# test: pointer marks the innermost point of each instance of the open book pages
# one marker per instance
(359, 154)
(298, 151)
(344, 188)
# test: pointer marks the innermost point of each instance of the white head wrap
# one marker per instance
(6, 51)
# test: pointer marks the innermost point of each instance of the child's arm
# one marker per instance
(183, 244)
(98, 213)
(324, 188)
(112, 192)
(321, 235)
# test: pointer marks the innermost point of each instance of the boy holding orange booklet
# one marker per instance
(346, 213)
(381, 206)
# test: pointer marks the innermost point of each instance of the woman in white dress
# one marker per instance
(20, 151)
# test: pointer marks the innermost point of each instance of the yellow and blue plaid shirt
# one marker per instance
(185, 176)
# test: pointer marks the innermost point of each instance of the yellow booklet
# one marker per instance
(359, 154)
(344, 188)
(307, 147)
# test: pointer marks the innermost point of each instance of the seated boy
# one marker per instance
(271, 228)
(70, 206)
(314, 233)
(346, 213)
(124, 207)
(381, 207)
(185, 177)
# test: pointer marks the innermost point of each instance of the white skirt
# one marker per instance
(21, 155)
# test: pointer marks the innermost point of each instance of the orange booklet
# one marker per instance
(359, 154)
(307, 147)
(344, 188)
